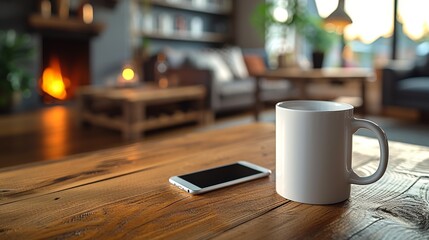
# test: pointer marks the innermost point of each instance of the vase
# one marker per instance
(318, 58)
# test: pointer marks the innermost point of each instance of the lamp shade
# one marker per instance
(339, 18)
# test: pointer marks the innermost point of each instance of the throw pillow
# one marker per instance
(213, 62)
(255, 64)
(233, 56)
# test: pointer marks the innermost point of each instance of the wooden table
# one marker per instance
(124, 193)
(133, 102)
(301, 78)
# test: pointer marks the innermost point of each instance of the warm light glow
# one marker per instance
(371, 19)
(163, 82)
(128, 77)
(280, 14)
(128, 74)
(87, 13)
(45, 8)
(53, 82)
(414, 17)
(55, 120)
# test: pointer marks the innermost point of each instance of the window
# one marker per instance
(369, 37)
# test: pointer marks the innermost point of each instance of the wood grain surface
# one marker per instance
(123, 193)
(317, 74)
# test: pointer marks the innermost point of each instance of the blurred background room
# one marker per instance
(85, 75)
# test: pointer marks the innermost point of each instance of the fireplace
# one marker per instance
(65, 56)
(65, 67)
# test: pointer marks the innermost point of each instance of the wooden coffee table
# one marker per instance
(96, 105)
(301, 78)
(124, 193)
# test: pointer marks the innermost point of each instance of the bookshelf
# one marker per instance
(186, 36)
(206, 22)
(189, 6)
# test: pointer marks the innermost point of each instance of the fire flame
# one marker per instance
(53, 82)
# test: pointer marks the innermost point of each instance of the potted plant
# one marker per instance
(319, 39)
(15, 49)
(283, 20)
(265, 15)
(300, 20)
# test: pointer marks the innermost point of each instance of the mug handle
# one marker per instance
(384, 151)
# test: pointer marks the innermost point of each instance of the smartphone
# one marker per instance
(219, 177)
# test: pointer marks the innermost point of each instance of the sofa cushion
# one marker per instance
(422, 66)
(269, 85)
(416, 85)
(214, 62)
(413, 92)
(255, 64)
(247, 86)
(235, 61)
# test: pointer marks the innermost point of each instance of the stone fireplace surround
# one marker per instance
(68, 40)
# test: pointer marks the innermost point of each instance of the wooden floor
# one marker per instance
(53, 133)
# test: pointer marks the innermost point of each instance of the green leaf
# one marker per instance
(15, 50)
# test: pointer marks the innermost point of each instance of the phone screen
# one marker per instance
(219, 175)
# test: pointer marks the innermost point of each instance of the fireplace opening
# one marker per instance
(65, 67)
(65, 59)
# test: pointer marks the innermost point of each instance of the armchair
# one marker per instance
(407, 86)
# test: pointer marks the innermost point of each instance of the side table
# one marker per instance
(125, 109)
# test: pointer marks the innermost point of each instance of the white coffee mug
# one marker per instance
(314, 149)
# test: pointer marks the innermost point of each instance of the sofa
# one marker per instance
(226, 75)
(407, 85)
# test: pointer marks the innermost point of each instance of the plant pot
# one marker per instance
(287, 60)
(318, 58)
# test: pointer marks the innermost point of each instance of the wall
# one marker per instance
(111, 50)
(246, 36)
(114, 47)
(14, 13)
